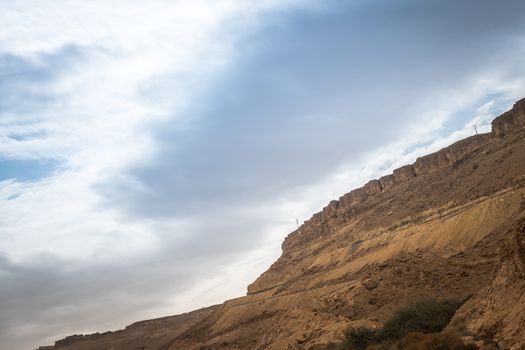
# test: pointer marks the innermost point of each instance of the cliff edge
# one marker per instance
(449, 225)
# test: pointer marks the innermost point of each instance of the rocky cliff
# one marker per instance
(449, 225)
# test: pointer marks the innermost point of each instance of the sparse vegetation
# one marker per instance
(426, 316)
(413, 327)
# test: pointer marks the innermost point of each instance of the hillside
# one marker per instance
(450, 225)
(149, 333)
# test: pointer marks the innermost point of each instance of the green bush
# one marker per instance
(423, 317)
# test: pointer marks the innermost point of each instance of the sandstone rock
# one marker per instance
(503, 124)
(345, 200)
(372, 187)
(358, 196)
(427, 164)
(510, 120)
(404, 174)
(387, 182)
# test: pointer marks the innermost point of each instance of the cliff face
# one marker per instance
(511, 120)
(393, 188)
(449, 225)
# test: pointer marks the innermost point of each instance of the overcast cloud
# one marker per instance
(154, 155)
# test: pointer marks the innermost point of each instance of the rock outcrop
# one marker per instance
(450, 225)
(510, 120)
(423, 166)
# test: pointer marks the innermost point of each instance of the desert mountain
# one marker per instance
(451, 225)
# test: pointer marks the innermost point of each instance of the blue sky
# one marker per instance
(173, 144)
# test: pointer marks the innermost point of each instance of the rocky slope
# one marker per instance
(150, 334)
(450, 225)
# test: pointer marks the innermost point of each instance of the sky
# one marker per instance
(154, 155)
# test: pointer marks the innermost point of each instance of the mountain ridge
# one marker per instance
(432, 228)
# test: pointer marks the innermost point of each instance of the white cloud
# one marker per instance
(122, 68)
(101, 108)
(112, 71)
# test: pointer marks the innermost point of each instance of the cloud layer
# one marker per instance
(153, 156)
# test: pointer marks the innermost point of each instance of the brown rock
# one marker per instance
(372, 187)
(371, 284)
(427, 164)
(404, 174)
(358, 196)
(510, 120)
(387, 182)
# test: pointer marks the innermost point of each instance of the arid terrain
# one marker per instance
(451, 225)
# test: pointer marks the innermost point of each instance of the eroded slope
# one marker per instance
(150, 334)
